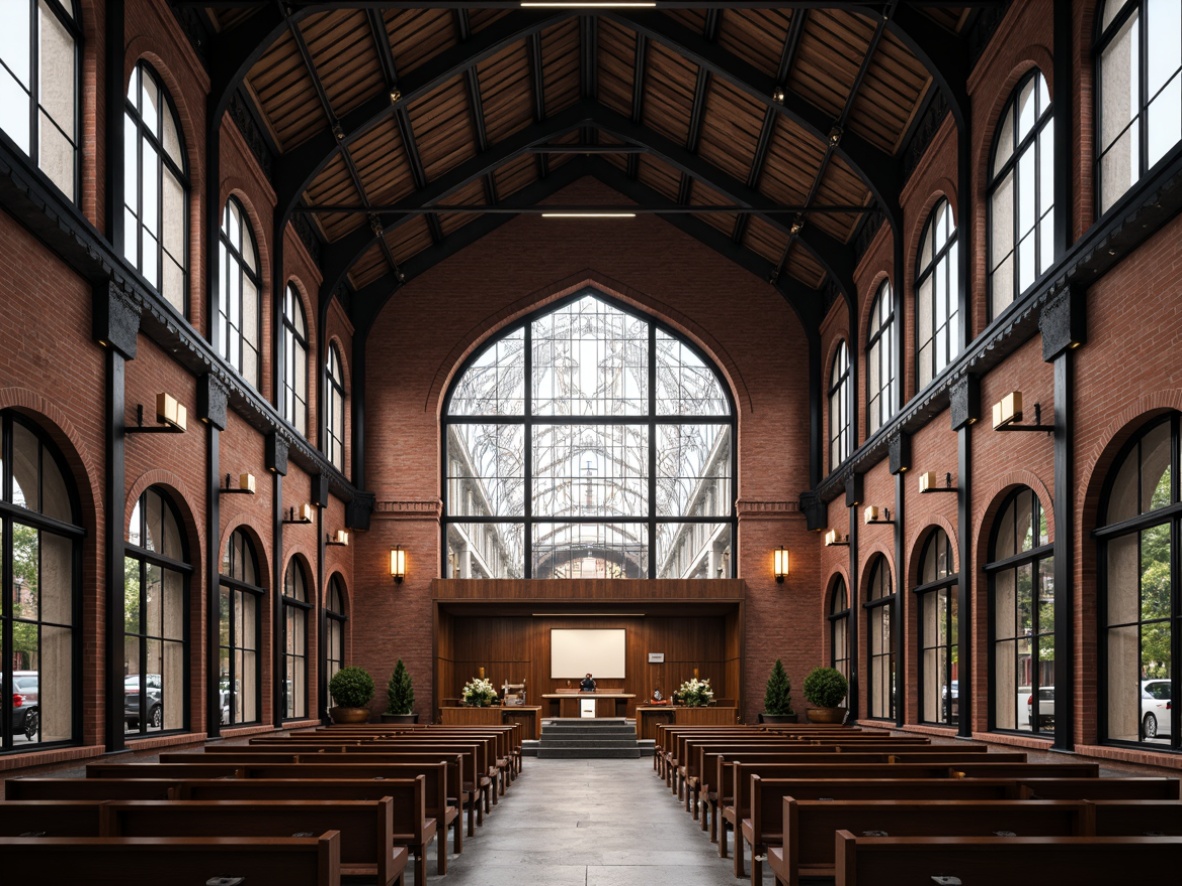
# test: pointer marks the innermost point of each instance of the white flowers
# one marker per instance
(695, 692)
(479, 691)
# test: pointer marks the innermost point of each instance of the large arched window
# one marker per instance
(295, 361)
(334, 423)
(155, 574)
(155, 188)
(1140, 609)
(296, 605)
(40, 602)
(589, 442)
(880, 361)
(334, 632)
(839, 407)
(1139, 91)
(937, 296)
(839, 627)
(238, 293)
(39, 49)
(1021, 574)
(239, 630)
(1021, 194)
(880, 600)
(939, 686)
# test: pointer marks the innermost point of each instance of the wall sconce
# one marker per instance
(171, 415)
(1007, 412)
(340, 541)
(833, 539)
(927, 483)
(397, 564)
(245, 485)
(780, 566)
(302, 515)
(874, 514)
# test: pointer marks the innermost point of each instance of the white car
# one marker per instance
(1046, 708)
(1155, 708)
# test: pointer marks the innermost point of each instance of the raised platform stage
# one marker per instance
(587, 738)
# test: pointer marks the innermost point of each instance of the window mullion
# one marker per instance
(528, 446)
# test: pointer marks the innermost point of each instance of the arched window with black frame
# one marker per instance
(1140, 607)
(840, 419)
(589, 441)
(239, 304)
(880, 361)
(334, 422)
(937, 296)
(1138, 91)
(1021, 242)
(880, 632)
(939, 685)
(294, 403)
(839, 627)
(334, 631)
(40, 604)
(155, 618)
(155, 188)
(296, 606)
(40, 47)
(240, 608)
(1021, 571)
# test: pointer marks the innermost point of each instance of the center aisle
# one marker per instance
(589, 823)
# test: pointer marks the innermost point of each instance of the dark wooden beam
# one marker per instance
(638, 75)
(538, 78)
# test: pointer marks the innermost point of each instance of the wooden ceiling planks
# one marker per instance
(792, 162)
(287, 97)
(334, 186)
(560, 67)
(518, 173)
(409, 239)
(839, 186)
(669, 93)
(890, 95)
(764, 240)
(704, 195)
(616, 60)
(950, 18)
(804, 267)
(470, 194)
(659, 176)
(731, 125)
(691, 18)
(830, 52)
(506, 92)
(342, 46)
(379, 156)
(479, 19)
(442, 128)
(417, 35)
(755, 35)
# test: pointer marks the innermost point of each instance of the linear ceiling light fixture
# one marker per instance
(581, 4)
(588, 214)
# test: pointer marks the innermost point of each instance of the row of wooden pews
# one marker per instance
(867, 807)
(307, 807)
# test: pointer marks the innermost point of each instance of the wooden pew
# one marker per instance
(412, 827)
(508, 736)
(805, 845)
(87, 788)
(1136, 788)
(1014, 861)
(51, 818)
(1132, 818)
(366, 826)
(150, 861)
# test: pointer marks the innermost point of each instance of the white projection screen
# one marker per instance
(574, 653)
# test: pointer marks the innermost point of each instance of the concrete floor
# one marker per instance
(588, 823)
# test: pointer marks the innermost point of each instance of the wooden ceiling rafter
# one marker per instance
(464, 30)
(633, 163)
(539, 89)
(701, 85)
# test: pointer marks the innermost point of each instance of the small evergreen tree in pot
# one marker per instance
(351, 689)
(826, 688)
(400, 696)
(777, 698)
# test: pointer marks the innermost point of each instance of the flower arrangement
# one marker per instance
(695, 693)
(479, 692)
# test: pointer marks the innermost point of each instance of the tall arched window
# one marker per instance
(589, 442)
(334, 632)
(156, 603)
(295, 361)
(1139, 94)
(939, 686)
(1021, 194)
(39, 49)
(239, 630)
(296, 605)
(839, 627)
(937, 296)
(155, 188)
(334, 424)
(40, 604)
(238, 295)
(1140, 609)
(880, 600)
(1022, 603)
(839, 407)
(880, 361)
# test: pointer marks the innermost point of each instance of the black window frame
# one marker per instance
(945, 585)
(883, 606)
(840, 617)
(295, 566)
(882, 404)
(236, 586)
(840, 407)
(334, 438)
(292, 407)
(336, 622)
(940, 264)
(233, 257)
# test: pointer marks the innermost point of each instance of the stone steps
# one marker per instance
(586, 738)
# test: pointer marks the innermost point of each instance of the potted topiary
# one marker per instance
(400, 697)
(777, 697)
(826, 688)
(351, 689)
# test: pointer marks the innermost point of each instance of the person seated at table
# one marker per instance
(588, 684)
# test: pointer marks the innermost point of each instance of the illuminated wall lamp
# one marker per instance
(171, 415)
(927, 483)
(874, 515)
(245, 485)
(397, 564)
(780, 565)
(1007, 413)
(301, 515)
(341, 540)
(834, 539)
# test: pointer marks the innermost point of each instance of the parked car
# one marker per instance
(1046, 708)
(1155, 708)
(25, 708)
(154, 704)
(951, 704)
